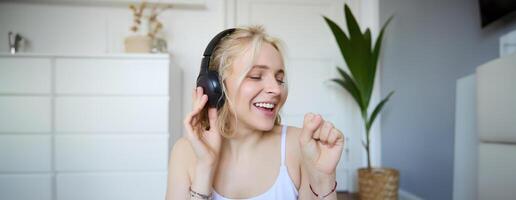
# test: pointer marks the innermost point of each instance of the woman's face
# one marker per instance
(262, 91)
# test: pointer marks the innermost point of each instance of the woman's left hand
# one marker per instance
(321, 146)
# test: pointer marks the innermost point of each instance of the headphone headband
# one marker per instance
(205, 63)
(209, 80)
(213, 43)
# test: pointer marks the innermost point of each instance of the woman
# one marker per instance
(240, 150)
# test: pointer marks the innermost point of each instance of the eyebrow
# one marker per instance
(267, 67)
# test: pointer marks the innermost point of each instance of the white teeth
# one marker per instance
(265, 105)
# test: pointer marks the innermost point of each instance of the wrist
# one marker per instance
(317, 177)
(203, 179)
(324, 195)
(322, 184)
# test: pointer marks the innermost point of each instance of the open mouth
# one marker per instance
(265, 108)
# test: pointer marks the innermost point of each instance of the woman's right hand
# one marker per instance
(206, 143)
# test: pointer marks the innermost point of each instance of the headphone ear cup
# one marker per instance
(212, 88)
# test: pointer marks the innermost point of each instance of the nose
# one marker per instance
(272, 86)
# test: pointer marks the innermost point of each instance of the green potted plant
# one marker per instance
(361, 57)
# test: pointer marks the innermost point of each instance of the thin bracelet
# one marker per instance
(199, 195)
(317, 195)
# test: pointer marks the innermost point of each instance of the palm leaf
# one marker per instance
(340, 36)
(357, 55)
(348, 83)
(377, 110)
(378, 44)
(353, 27)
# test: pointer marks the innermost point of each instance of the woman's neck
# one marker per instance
(245, 140)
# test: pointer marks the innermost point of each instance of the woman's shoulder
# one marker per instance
(293, 132)
(182, 155)
(294, 154)
(183, 149)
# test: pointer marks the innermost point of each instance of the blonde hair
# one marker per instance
(242, 40)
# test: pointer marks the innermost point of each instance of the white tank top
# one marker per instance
(283, 188)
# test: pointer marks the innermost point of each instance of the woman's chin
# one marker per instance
(264, 125)
(263, 121)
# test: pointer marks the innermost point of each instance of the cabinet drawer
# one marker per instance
(26, 186)
(101, 152)
(25, 114)
(25, 153)
(496, 164)
(112, 76)
(25, 75)
(111, 114)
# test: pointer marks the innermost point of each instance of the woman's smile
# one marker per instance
(267, 109)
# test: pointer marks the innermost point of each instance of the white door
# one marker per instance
(311, 57)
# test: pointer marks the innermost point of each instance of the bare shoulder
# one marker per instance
(182, 144)
(295, 130)
(294, 154)
(182, 156)
(183, 149)
(294, 133)
(180, 162)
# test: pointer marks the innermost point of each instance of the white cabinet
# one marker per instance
(485, 132)
(86, 127)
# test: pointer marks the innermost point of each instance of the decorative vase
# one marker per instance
(378, 183)
(159, 45)
(138, 44)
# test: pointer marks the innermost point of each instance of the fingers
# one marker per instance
(212, 116)
(199, 99)
(190, 133)
(310, 125)
(317, 134)
(333, 136)
(325, 131)
(315, 127)
(191, 120)
(201, 103)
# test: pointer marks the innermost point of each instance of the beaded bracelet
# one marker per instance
(322, 197)
(197, 195)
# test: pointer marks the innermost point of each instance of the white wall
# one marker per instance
(73, 29)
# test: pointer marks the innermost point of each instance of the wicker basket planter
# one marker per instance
(378, 184)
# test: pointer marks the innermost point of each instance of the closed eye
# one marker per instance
(259, 78)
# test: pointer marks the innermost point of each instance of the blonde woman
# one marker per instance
(240, 150)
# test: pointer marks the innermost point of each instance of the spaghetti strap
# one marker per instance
(283, 144)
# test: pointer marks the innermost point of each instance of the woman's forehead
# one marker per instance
(267, 58)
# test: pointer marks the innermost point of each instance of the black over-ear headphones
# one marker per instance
(209, 79)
